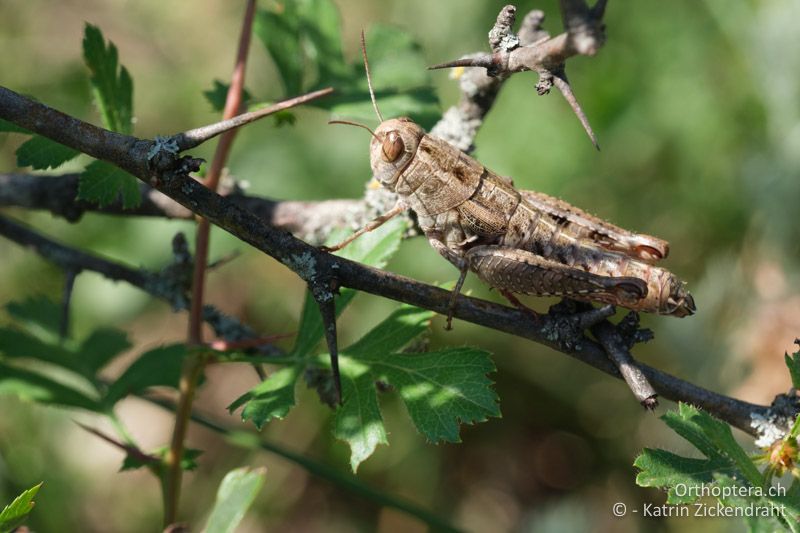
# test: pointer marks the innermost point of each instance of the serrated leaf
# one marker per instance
(785, 519)
(321, 27)
(439, 389)
(358, 420)
(235, 495)
(39, 314)
(103, 183)
(36, 387)
(218, 94)
(272, 398)
(375, 249)
(34, 335)
(112, 91)
(158, 367)
(41, 153)
(279, 33)
(718, 436)
(663, 469)
(15, 513)
(19, 344)
(393, 334)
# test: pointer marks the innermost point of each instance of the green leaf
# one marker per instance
(218, 94)
(321, 27)
(112, 90)
(103, 182)
(279, 33)
(358, 420)
(401, 327)
(10, 127)
(272, 398)
(660, 468)
(100, 347)
(41, 389)
(158, 367)
(235, 495)
(41, 153)
(793, 364)
(786, 519)
(38, 314)
(400, 78)
(725, 459)
(440, 389)
(15, 513)
(719, 435)
(19, 344)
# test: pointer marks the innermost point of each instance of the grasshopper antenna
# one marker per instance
(369, 78)
(349, 123)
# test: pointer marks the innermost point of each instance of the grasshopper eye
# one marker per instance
(392, 146)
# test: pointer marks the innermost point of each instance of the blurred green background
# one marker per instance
(696, 105)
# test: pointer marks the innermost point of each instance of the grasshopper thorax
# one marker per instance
(393, 148)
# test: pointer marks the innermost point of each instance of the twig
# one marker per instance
(195, 137)
(612, 343)
(194, 365)
(66, 299)
(164, 285)
(347, 482)
(311, 221)
(129, 449)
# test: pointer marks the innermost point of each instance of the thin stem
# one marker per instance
(194, 365)
(320, 470)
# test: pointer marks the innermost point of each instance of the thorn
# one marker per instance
(560, 81)
(223, 260)
(598, 10)
(131, 450)
(327, 309)
(484, 60)
(589, 318)
(69, 284)
(195, 137)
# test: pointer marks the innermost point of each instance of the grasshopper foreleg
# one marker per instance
(373, 224)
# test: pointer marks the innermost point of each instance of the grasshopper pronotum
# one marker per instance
(516, 241)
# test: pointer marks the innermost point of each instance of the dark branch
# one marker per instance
(310, 220)
(316, 267)
(168, 285)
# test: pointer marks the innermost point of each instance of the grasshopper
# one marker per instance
(516, 241)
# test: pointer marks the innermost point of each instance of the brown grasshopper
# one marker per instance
(516, 241)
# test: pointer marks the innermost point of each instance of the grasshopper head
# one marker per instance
(392, 148)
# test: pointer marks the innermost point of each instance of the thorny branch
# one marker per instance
(170, 284)
(168, 173)
(534, 50)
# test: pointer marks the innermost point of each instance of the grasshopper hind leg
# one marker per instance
(523, 272)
